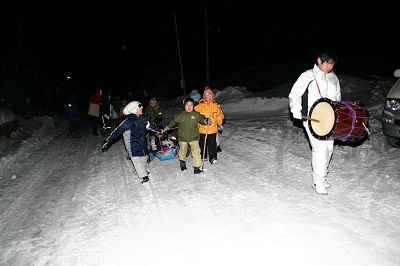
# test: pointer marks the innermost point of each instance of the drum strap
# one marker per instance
(317, 84)
(304, 102)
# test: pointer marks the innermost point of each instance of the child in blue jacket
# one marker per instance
(134, 129)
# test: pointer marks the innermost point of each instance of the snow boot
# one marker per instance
(320, 188)
(145, 179)
(326, 184)
(77, 135)
(183, 165)
(151, 157)
(219, 149)
(197, 170)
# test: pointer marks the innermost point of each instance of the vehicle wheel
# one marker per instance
(393, 142)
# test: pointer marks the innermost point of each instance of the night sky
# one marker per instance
(111, 44)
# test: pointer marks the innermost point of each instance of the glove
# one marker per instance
(220, 129)
(106, 146)
(297, 115)
(207, 121)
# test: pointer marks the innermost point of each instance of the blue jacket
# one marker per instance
(73, 112)
(136, 141)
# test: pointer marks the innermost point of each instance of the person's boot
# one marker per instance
(77, 135)
(219, 149)
(320, 188)
(197, 170)
(145, 179)
(183, 165)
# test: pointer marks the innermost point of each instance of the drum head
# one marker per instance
(323, 112)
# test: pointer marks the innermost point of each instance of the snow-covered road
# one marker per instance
(64, 202)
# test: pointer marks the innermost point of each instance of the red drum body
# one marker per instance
(338, 120)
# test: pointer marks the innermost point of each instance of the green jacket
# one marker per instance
(188, 124)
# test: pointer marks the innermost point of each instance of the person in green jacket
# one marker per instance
(188, 133)
(154, 115)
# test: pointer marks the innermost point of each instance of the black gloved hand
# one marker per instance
(106, 146)
(207, 121)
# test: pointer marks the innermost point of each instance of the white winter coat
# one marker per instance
(328, 85)
(322, 86)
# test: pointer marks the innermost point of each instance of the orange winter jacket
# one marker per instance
(209, 110)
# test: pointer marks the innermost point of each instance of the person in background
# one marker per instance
(208, 133)
(312, 85)
(94, 111)
(73, 116)
(154, 114)
(134, 128)
(195, 95)
(188, 135)
(105, 113)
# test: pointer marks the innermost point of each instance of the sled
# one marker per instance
(167, 153)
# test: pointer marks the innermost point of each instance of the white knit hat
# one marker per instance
(131, 108)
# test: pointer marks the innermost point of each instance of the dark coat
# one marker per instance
(73, 112)
(136, 139)
(154, 114)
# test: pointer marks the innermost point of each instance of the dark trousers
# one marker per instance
(211, 146)
(95, 123)
(74, 124)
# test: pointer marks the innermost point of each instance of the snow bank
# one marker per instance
(238, 99)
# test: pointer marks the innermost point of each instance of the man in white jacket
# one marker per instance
(316, 83)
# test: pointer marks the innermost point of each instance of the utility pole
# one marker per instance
(179, 53)
(207, 62)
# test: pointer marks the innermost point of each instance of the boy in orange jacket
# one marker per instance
(208, 133)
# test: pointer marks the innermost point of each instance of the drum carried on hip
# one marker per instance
(338, 120)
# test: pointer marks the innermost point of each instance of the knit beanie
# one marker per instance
(195, 95)
(131, 108)
(208, 91)
(188, 100)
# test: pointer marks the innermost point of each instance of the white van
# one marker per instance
(391, 114)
